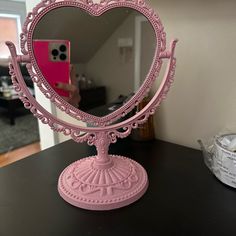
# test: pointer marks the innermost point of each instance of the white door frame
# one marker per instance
(137, 49)
(47, 136)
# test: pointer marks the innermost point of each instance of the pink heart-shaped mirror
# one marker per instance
(100, 55)
(117, 45)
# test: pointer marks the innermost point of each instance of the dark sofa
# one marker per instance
(4, 72)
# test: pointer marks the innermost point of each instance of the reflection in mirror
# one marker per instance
(103, 54)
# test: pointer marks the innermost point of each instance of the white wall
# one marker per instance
(202, 101)
(110, 67)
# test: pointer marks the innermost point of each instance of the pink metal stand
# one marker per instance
(92, 185)
(104, 181)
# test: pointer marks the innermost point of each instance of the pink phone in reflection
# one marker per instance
(53, 58)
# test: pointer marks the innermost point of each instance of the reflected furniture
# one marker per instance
(4, 72)
(183, 197)
(11, 103)
(92, 97)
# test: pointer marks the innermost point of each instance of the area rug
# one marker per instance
(24, 132)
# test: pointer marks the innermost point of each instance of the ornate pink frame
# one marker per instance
(104, 181)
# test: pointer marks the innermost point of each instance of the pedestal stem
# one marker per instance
(103, 159)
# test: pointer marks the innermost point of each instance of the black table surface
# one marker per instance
(183, 197)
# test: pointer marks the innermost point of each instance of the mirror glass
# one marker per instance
(107, 57)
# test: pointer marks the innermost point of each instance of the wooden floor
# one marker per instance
(18, 154)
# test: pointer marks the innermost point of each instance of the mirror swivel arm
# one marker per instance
(23, 58)
(19, 58)
(12, 49)
(160, 94)
(168, 53)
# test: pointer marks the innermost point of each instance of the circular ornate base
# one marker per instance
(85, 185)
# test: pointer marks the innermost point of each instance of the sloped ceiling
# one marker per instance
(86, 33)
